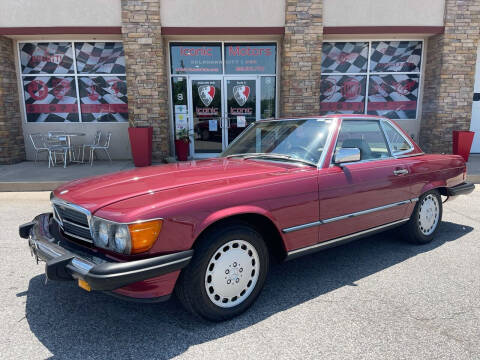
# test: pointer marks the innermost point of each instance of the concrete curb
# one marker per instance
(12, 186)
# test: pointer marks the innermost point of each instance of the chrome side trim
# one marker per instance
(330, 243)
(301, 227)
(346, 216)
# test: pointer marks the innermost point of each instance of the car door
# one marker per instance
(365, 194)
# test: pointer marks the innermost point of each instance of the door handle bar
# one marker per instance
(400, 172)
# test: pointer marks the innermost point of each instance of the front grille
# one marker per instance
(73, 222)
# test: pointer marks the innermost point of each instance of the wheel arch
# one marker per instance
(258, 218)
(440, 186)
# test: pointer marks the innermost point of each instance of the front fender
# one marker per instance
(233, 211)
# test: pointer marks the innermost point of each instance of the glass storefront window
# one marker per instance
(344, 57)
(267, 102)
(47, 58)
(179, 100)
(100, 57)
(55, 98)
(194, 58)
(50, 99)
(342, 94)
(393, 78)
(250, 58)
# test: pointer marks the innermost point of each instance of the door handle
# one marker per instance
(400, 172)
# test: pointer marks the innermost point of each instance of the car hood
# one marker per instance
(96, 192)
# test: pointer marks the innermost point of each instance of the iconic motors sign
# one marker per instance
(250, 59)
(206, 58)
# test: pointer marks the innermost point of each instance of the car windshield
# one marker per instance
(299, 140)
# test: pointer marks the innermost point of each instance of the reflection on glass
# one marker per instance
(299, 138)
(207, 112)
(267, 104)
(241, 106)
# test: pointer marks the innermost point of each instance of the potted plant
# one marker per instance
(141, 143)
(462, 143)
(182, 144)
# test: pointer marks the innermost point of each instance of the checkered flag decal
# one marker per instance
(46, 58)
(50, 99)
(344, 57)
(103, 98)
(394, 96)
(100, 58)
(342, 94)
(398, 56)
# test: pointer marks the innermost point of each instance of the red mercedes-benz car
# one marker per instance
(208, 229)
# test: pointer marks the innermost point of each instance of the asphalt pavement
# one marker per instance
(376, 298)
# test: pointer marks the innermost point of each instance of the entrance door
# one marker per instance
(206, 115)
(475, 123)
(241, 105)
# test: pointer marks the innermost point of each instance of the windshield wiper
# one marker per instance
(279, 157)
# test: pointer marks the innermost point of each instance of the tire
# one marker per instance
(426, 216)
(226, 274)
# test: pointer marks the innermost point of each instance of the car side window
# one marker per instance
(365, 135)
(397, 142)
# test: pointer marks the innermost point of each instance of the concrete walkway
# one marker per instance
(31, 176)
(28, 176)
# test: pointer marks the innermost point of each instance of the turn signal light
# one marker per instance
(143, 235)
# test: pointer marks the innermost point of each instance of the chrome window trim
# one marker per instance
(408, 155)
(342, 238)
(347, 216)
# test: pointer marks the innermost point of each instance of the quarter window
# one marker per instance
(367, 136)
(398, 144)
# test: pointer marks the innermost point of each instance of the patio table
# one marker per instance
(69, 136)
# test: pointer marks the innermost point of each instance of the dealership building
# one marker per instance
(213, 67)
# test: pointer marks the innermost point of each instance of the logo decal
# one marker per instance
(240, 93)
(206, 93)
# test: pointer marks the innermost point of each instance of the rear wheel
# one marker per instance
(226, 274)
(426, 217)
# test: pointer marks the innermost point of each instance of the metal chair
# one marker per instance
(96, 142)
(39, 145)
(104, 147)
(57, 143)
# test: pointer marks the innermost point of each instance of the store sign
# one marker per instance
(250, 59)
(206, 97)
(241, 97)
(196, 59)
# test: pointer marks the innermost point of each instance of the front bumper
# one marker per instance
(64, 262)
(461, 189)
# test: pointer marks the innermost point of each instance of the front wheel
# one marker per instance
(426, 217)
(226, 274)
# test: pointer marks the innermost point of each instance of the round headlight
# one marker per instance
(121, 238)
(103, 230)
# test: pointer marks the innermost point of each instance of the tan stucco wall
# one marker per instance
(383, 13)
(19, 13)
(211, 13)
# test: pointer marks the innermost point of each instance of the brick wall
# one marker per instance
(449, 76)
(12, 149)
(301, 58)
(146, 70)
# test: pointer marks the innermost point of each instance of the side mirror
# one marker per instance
(346, 155)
